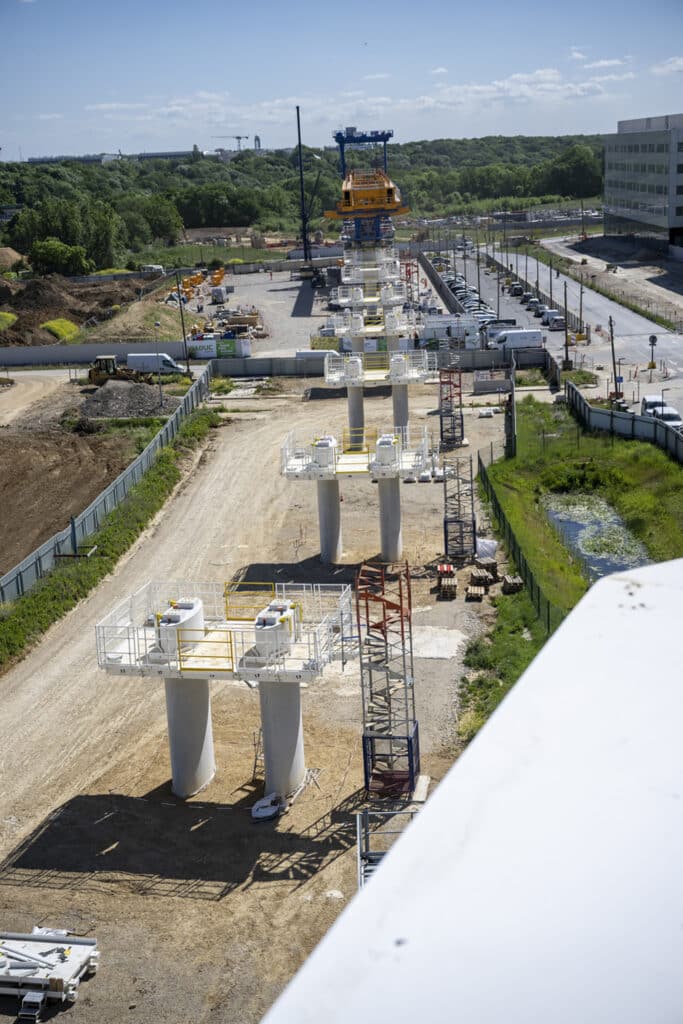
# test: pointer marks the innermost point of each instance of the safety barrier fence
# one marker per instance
(549, 615)
(70, 541)
(625, 424)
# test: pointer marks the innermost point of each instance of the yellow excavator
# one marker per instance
(106, 368)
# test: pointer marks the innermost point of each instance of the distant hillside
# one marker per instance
(119, 207)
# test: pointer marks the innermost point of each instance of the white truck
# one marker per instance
(153, 362)
(517, 338)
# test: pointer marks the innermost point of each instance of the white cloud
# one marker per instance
(49, 117)
(612, 63)
(114, 106)
(613, 78)
(380, 74)
(576, 54)
(439, 71)
(668, 67)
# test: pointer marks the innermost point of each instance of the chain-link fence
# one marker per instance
(549, 615)
(69, 541)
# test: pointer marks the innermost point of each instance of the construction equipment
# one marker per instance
(106, 368)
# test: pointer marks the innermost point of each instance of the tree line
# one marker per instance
(112, 210)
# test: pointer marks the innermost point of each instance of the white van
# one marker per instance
(152, 362)
(556, 323)
(649, 403)
(517, 339)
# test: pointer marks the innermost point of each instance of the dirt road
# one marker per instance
(200, 914)
(27, 389)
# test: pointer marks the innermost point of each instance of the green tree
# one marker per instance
(54, 257)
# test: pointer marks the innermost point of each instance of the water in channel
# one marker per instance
(595, 534)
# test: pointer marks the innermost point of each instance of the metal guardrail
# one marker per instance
(20, 579)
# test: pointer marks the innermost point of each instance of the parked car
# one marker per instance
(669, 415)
(525, 296)
(540, 309)
(557, 323)
(547, 316)
(649, 403)
(516, 289)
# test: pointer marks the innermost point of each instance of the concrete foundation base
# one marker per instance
(190, 736)
(391, 538)
(283, 737)
(329, 521)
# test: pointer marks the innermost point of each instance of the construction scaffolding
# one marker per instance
(459, 523)
(376, 832)
(450, 409)
(391, 747)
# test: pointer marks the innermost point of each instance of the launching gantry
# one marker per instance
(373, 319)
(275, 636)
(385, 456)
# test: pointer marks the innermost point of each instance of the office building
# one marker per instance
(644, 181)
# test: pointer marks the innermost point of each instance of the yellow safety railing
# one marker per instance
(376, 360)
(206, 650)
(358, 439)
(245, 599)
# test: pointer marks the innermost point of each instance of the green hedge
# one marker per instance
(22, 622)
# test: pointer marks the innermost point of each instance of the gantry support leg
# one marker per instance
(390, 519)
(190, 736)
(283, 737)
(329, 519)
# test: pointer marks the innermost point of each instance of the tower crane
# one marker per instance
(238, 137)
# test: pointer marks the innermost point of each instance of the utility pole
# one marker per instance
(538, 290)
(551, 282)
(304, 218)
(614, 361)
(478, 269)
(182, 321)
(498, 293)
(581, 306)
(526, 268)
(567, 360)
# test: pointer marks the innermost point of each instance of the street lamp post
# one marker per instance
(157, 325)
(663, 390)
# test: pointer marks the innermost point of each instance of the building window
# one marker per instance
(679, 190)
(679, 211)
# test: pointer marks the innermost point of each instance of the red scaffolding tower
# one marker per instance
(391, 748)
(450, 409)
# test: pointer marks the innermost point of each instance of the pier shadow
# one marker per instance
(160, 846)
(318, 394)
(303, 305)
(308, 570)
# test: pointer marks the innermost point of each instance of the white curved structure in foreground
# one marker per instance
(542, 881)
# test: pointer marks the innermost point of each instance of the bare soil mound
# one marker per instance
(53, 477)
(8, 257)
(53, 297)
(125, 398)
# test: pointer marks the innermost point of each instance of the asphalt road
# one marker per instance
(631, 332)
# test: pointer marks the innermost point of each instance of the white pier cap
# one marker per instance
(542, 881)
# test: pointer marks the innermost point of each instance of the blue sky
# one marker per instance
(102, 76)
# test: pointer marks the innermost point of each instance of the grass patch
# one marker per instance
(582, 378)
(62, 329)
(22, 622)
(191, 255)
(641, 483)
(497, 660)
(531, 378)
(221, 385)
(7, 319)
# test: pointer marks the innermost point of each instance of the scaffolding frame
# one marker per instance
(452, 431)
(376, 832)
(391, 745)
(459, 521)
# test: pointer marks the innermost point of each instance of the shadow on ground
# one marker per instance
(157, 845)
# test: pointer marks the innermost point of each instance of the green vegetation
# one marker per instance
(54, 257)
(221, 385)
(123, 208)
(496, 661)
(6, 320)
(190, 255)
(62, 329)
(637, 479)
(582, 378)
(531, 378)
(23, 621)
